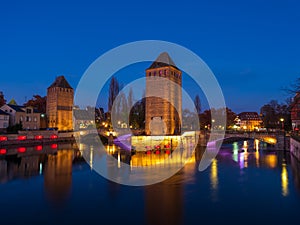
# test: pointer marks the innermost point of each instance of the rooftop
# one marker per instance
(163, 60)
(61, 82)
(3, 113)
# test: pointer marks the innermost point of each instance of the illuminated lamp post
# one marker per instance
(283, 131)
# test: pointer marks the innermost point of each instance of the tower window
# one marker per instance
(154, 73)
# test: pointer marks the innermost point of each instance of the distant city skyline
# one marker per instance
(251, 46)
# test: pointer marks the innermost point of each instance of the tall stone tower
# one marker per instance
(163, 114)
(60, 97)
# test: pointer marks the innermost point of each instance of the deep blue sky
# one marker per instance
(252, 47)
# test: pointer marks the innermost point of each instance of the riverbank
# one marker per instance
(27, 138)
(295, 146)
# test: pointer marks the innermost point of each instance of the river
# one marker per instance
(53, 184)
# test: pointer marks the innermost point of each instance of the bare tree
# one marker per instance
(130, 98)
(113, 92)
(293, 88)
(197, 103)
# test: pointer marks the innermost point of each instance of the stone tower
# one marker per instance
(163, 115)
(60, 97)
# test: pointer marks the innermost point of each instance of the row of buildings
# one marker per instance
(59, 111)
(162, 113)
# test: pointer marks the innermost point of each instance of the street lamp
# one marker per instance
(282, 127)
(282, 123)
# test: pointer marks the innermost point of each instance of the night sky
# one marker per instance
(252, 47)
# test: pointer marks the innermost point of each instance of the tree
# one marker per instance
(230, 117)
(2, 100)
(130, 98)
(293, 88)
(38, 102)
(272, 112)
(197, 103)
(137, 114)
(113, 92)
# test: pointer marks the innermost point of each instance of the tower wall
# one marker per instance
(165, 82)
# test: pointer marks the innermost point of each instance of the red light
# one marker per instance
(54, 146)
(39, 148)
(21, 138)
(3, 138)
(3, 151)
(21, 149)
(38, 137)
(148, 152)
(157, 152)
(53, 136)
(168, 152)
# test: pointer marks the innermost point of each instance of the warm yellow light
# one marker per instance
(284, 180)
(281, 119)
(214, 175)
(271, 160)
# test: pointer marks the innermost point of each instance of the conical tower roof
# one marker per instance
(61, 82)
(163, 60)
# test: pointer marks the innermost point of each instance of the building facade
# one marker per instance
(249, 121)
(83, 118)
(27, 115)
(4, 120)
(295, 112)
(163, 97)
(60, 97)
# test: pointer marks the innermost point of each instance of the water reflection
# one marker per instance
(58, 175)
(164, 201)
(214, 180)
(53, 161)
(284, 180)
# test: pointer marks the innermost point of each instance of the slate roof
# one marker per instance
(17, 108)
(61, 82)
(21, 108)
(3, 113)
(249, 116)
(163, 60)
(81, 114)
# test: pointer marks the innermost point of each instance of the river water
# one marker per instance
(243, 185)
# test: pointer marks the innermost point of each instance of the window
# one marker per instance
(149, 74)
(28, 111)
(21, 118)
(34, 119)
(10, 110)
(28, 118)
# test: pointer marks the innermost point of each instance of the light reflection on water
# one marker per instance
(243, 175)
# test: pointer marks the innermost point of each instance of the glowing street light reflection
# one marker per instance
(284, 181)
(214, 175)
